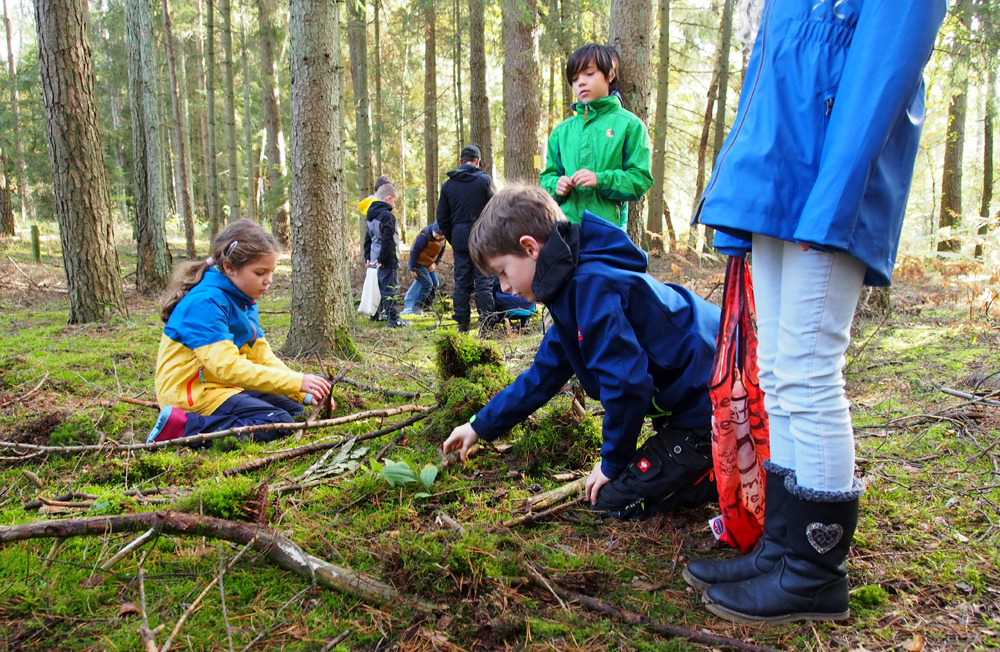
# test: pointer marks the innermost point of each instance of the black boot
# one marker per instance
(810, 581)
(701, 573)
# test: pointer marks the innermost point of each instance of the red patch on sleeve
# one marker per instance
(644, 465)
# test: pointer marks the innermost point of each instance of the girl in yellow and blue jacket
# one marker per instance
(214, 369)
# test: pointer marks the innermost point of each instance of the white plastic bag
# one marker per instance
(370, 296)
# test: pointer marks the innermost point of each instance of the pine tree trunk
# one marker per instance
(954, 147)
(196, 127)
(631, 34)
(458, 75)
(706, 126)
(225, 11)
(378, 88)
(357, 42)
(725, 44)
(153, 258)
(6, 207)
(566, 41)
(22, 188)
(520, 91)
(550, 117)
(430, 111)
(247, 129)
(480, 130)
(657, 192)
(79, 185)
(214, 207)
(276, 199)
(988, 123)
(180, 152)
(321, 306)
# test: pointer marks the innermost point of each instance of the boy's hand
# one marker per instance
(584, 179)
(596, 480)
(318, 386)
(414, 272)
(461, 437)
(564, 185)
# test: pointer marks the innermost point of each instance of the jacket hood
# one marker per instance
(376, 208)
(606, 243)
(213, 278)
(465, 173)
(601, 104)
(557, 261)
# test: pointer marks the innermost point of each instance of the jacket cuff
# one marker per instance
(482, 427)
(611, 469)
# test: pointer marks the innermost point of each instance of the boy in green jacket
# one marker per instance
(599, 159)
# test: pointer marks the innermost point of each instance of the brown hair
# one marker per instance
(237, 245)
(604, 57)
(515, 211)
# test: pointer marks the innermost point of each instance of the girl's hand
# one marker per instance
(596, 480)
(462, 437)
(318, 386)
(585, 179)
(563, 186)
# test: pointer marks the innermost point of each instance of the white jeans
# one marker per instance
(805, 305)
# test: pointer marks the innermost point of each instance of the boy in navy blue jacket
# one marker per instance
(639, 346)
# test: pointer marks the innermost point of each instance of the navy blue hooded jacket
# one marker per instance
(463, 197)
(637, 345)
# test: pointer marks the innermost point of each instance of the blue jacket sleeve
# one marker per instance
(417, 248)
(611, 350)
(532, 389)
(882, 73)
(729, 245)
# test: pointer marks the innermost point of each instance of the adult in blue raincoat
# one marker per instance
(815, 173)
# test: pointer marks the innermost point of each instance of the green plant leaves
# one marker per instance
(427, 475)
(398, 473)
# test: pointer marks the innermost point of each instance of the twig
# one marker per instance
(969, 397)
(232, 432)
(222, 596)
(672, 631)
(148, 637)
(53, 551)
(543, 500)
(529, 519)
(143, 538)
(540, 579)
(385, 449)
(450, 522)
(139, 401)
(339, 639)
(35, 480)
(263, 634)
(379, 390)
(326, 445)
(23, 273)
(194, 605)
(30, 392)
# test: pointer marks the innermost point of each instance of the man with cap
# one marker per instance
(463, 197)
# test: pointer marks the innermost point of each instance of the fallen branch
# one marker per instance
(339, 639)
(969, 397)
(671, 631)
(379, 390)
(30, 392)
(530, 519)
(326, 445)
(280, 550)
(139, 401)
(551, 497)
(76, 495)
(209, 436)
(143, 538)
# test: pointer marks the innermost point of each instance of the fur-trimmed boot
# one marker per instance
(810, 581)
(701, 573)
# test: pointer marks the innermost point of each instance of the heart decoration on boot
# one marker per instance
(824, 537)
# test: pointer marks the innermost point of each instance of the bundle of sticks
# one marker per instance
(543, 506)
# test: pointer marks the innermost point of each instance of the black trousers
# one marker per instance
(467, 278)
(672, 470)
(388, 286)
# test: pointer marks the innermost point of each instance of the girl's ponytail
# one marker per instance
(186, 276)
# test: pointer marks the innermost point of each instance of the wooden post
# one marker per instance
(36, 251)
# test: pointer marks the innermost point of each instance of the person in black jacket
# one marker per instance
(463, 197)
(382, 250)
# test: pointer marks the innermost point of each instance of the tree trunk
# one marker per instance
(430, 111)
(402, 147)
(153, 257)
(22, 188)
(378, 88)
(520, 91)
(322, 307)
(460, 116)
(357, 42)
(631, 34)
(657, 200)
(180, 152)
(247, 129)
(79, 185)
(196, 126)
(225, 10)
(706, 126)
(725, 43)
(480, 130)
(6, 207)
(954, 148)
(566, 44)
(550, 114)
(275, 199)
(984, 206)
(214, 209)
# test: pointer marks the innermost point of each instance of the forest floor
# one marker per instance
(923, 571)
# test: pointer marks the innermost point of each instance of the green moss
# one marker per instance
(78, 429)
(113, 503)
(560, 440)
(222, 499)
(458, 353)
(869, 597)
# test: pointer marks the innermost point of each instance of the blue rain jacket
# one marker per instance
(823, 145)
(637, 345)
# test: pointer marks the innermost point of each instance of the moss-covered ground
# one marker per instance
(924, 569)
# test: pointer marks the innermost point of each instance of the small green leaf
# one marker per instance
(428, 474)
(421, 494)
(398, 473)
(376, 467)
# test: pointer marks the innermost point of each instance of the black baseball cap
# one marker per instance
(470, 152)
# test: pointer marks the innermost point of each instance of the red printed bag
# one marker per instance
(739, 422)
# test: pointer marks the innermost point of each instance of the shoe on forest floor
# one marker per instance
(169, 425)
(398, 323)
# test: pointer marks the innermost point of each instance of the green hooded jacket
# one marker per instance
(610, 142)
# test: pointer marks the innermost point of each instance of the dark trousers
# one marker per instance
(467, 278)
(388, 286)
(672, 470)
(248, 408)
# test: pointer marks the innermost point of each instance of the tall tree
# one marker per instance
(430, 110)
(276, 198)
(706, 126)
(226, 12)
(725, 44)
(247, 124)
(566, 46)
(457, 59)
(520, 91)
(79, 184)
(631, 34)
(214, 209)
(954, 147)
(378, 87)
(657, 199)
(22, 188)
(321, 295)
(180, 151)
(6, 205)
(988, 125)
(197, 126)
(357, 43)
(153, 257)
(480, 130)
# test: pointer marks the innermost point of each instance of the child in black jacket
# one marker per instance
(382, 250)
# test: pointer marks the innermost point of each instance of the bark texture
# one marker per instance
(321, 294)
(276, 197)
(180, 150)
(79, 184)
(631, 33)
(657, 194)
(480, 130)
(430, 111)
(954, 148)
(247, 131)
(357, 41)
(6, 208)
(22, 188)
(233, 178)
(153, 257)
(214, 209)
(520, 91)
(378, 87)
(988, 124)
